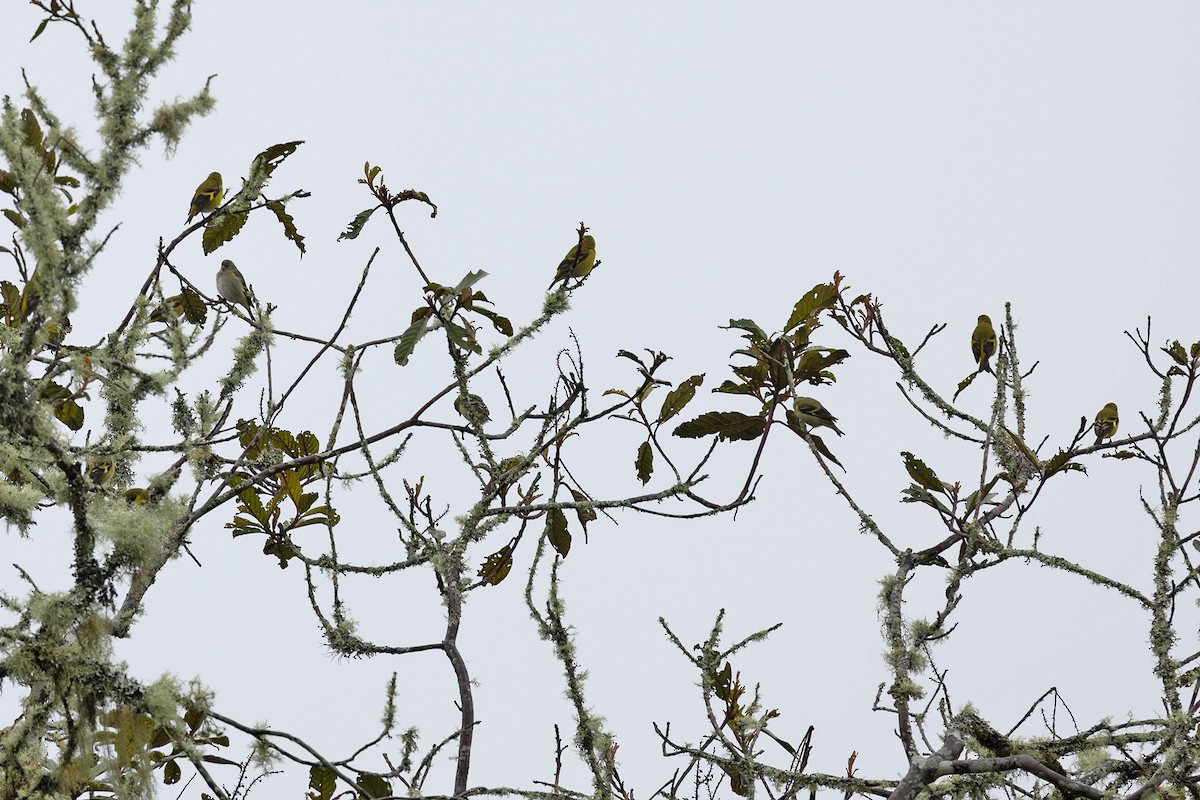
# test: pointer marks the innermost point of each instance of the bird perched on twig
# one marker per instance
(473, 409)
(579, 261)
(100, 472)
(983, 343)
(810, 411)
(232, 286)
(208, 195)
(1106, 422)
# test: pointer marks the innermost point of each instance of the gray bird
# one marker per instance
(232, 286)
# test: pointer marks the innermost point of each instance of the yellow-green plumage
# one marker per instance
(579, 261)
(809, 411)
(473, 409)
(1106, 422)
(232, 286)
(208, 195)
(983, 343)
(100, 472)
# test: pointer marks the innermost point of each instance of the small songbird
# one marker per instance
(208, 195)
(579, 261)
(983, 343)
(809, 411)
(473, 409)
(100, 472)
(1106, 422)
(232, 286)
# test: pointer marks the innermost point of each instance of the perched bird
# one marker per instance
(983, 343)
(579, 261)
(100, 472)
(232, 286)
(136, 496)
(208, 195)
(1106, 422)
(473, 409)
(809, 411)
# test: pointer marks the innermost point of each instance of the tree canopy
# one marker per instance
(195, 411)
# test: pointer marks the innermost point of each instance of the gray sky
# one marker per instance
(945, 157)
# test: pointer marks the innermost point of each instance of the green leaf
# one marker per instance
(14, 217)
(978, 497)
(469, 280)
(288, 223)
(753, 332)
(305, 503)
(819, 443)
(502, 324)
(916, 494)
(171, 772)
(813, 362)
(356, 225)
(307, 444)
(410, 337)
(194, 309)
(54, 391)
(731, 387)
(679, 397)
(1176, 351)
(323, 782)
(11, 297)
(290, 483)
(726, 425)
(463, 337)
(777, 360)
(1061, 462)
(41, 27)
(222, 228)
(496, 566)
(631, 356)
(371, 786)
(753, 374)
(644, 462)
(557, 533)
(922, 473)
(31, 131)
(721, 682)
(281, 549)
(413, 194)
(194, 718)
(273, 156)
(817, 299)
(252, 504)
(211, 759)
(69, 413)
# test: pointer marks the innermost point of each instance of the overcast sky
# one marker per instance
(946, 157)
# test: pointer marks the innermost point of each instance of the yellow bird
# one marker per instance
(1106, 422)
(983, 343)
(579, 261)
(473, 409)
(208, 195)
(100, 472)
(810, 411)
